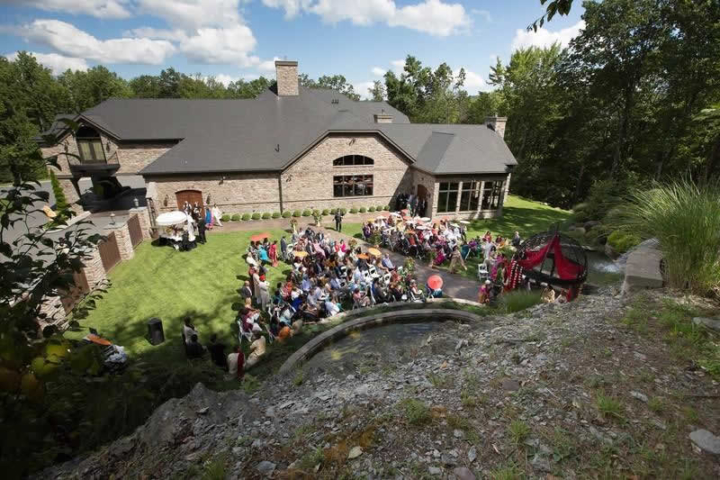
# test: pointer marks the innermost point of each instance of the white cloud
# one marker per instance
(175, 35)
(95, 8)
(221, 45)
(71, 41)
(398, 65)
(474, 82)
(482, 13)
(57, 63)
(194, 14)
(430, 16)
(267, 65)
(361, 88)
(225, 79)
(378, 72)
(545, 38)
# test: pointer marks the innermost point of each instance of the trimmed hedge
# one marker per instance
(326, 211)
(386, 208)
(621, 242)
(307, 212)
(266, 215)
(235, 218)
(276, 215)
(256, 216)
(287, 214)
(363, 209)
(353, 210)
(333, 211)
(371, 209)
(297, 213)
(343, 211)
(316, 213)
(246, 217)
(380, 208)
(225, 218)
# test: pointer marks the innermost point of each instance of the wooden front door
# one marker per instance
(190, 196)
(422, 192)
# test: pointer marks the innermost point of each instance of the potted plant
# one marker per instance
(409, 266)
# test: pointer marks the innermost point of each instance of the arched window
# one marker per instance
(352, 160)
(90, 145)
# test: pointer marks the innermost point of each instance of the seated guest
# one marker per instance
(332, 306)
(386, 263)
(217, 352)
(236, 363)
(257, 350)
(194, 349)
(516, 241)
(249, 317)
(416, 292)
(188, 330)
(246, 293)
(484, 293)
(360, 299)
(285, 333)
(548, 295)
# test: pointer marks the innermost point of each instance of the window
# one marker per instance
(470, 197)
(90, 145)
(352, 160)
(447, 197)
(353, 186)
(493, 195)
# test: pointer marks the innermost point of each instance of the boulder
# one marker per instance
(711, 323)
(706, 441)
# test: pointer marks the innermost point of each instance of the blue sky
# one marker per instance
(233, 39)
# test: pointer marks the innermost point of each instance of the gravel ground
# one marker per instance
(558, 391)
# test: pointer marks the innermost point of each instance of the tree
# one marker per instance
(377, 91)
(87, 89)
(334, 82)
(61, 203)
(145, 86)
(248, 89)
(169, 83)
(561, 7)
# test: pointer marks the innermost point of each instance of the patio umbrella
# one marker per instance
(395, 214)
(435, 282)
(374, 252)
(421, 227)
(381, 217)
(364, 256)
(171, 218)
(425, 219)
(259, 236)
(98, 340)
(464, 222)
(300, 254)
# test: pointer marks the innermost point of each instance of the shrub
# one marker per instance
(266, 215)
(380, 208)
(604, 196)
(307, 212)
(363, 209)
(685, 218)
(371, 209)
(316, 213)
(518, 300)
(246, 217)
(386, 208)
(225, 218)
(276, 215)
(287, 214)
(61, 204)
(326, 211)
(297, 213)
(416, 412)
(333, 211)
(353, 210)
(235, 218)
(256, 216)
(343, 211)
(621, 242)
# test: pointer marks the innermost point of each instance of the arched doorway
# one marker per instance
(422, 192)
(190, 196)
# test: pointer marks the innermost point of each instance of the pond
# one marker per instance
(372, 349)
(602, 270)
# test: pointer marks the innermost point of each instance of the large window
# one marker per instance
(90, 145)
(492, 195)
(470, 197)
(352, 185)
(352, 160)
(447, 197)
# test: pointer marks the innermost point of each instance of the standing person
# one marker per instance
(216, 213)
(201, 230)
(217, 352)
(456, 259)
(414, 205)
(236, 363)
(264, 287)
(208, 218)
(188, 329)
(256, 286)
(272, 253)
(194, 349)
(338, 220)
(283, 247)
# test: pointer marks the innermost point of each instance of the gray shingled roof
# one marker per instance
(267, 133)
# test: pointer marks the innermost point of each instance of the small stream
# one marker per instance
(602, 270)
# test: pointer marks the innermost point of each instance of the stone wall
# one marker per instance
(94, 269)
(134, 157)
(53, 311)
(143, 214)
(428, 181)
(237, 193)
(122, 235)
(308, 183)
(286, 73)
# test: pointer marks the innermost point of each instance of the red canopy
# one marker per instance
(566, 269)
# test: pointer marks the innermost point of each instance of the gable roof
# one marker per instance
(271, 131)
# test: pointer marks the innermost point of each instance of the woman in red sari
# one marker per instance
(272, 253)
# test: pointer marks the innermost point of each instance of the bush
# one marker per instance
(333, 211)
(371, 209)
(287, 214)
(518, 300)
(316, 213)
(61, 204)
(363, 209)
(416, 412)
(276, 215)
(621, 242)
(343, 211)
(380, 208)
(685, 218)
(256, 216)
(604, 196)
(326, 211)
(353, 210)
(225, 218)
(297, 213)
(266, 216)
(307, 212)
(235, 218)
(386, 208)
(246, 217)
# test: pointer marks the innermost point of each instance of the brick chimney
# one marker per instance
(286, 73)
(496, 124)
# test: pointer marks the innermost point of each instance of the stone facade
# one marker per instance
(94, 270)
(308, 183)
(143, 214)
(53, 311)
(287, 78)
(134, 157)
(122, 235)
(233, 193)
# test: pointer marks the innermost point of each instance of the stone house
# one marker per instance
(290, 149)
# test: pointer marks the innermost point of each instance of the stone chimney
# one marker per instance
(496, 124)
(383, 118)
(286, 73)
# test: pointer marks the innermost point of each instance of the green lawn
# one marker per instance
(162, 282)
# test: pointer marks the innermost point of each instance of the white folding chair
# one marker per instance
(483, 273)
(243, 334)
(372, 270)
